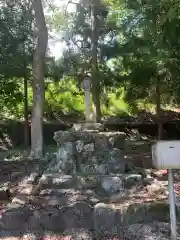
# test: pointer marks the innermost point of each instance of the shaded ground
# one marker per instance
(64, 209)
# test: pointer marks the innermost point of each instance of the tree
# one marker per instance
(148, 51)
(38, 82)
(84, 40)
(95, 79)
(16, 39)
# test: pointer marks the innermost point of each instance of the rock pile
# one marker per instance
(90, 151)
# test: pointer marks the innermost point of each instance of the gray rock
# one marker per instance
(34, 222)
(45, 180)
(104, 219)
(130, 214)
(86, 168)
(63, 136)
(4, 193)
(10, 234)
(30, 236)
(111, 141)
(88, 126)
(87, 181)
(55, 180)
(51, 220)
(101, 169)
(116, 162)
(149, 231)
(112, 184)
(89, 147)
(32, 178)
(65, 159)
(79, 146)
(15, 216)
(101, 142)
(131, 179)
(79, 234)
(77, 215)
(21, 199)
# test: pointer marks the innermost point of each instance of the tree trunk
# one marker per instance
(26, 121)
(158, 110)
(95, 79)
(38, 82)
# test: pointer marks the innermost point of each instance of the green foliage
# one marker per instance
(63, 96)
(138, 44)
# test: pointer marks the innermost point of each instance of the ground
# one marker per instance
(39, 205)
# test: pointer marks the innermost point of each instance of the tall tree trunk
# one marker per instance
(26, 120)
(38, 82)
(158, 109)
(95, 79)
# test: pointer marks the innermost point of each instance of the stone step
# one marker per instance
(106, 216)
(141, 231)
(151, 231)
(56, 180)
(75, 215)
(75, 211)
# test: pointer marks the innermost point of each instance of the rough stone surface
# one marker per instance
(50, 220)
(65, 158)
(112, 184)
(79, 234)
(15, 216)
(77, 215)
(89, 151)
(55, 180)
(4, 192)
(151, 231)
(131, 179)
(104, 218)
(116, 163)
(32, 178)
(10, 235)
(87, 182)
(69, 206)
(88, 126)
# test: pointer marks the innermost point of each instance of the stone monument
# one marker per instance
(86, 84)
(90, 123)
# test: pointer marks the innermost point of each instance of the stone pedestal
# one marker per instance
(87, 149)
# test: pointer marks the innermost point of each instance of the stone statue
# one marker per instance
(86, 84)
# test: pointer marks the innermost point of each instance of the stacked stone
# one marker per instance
(90, 151)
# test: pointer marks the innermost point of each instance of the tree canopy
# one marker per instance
(137, 49)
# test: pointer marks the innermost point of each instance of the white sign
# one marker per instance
(166, 155)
